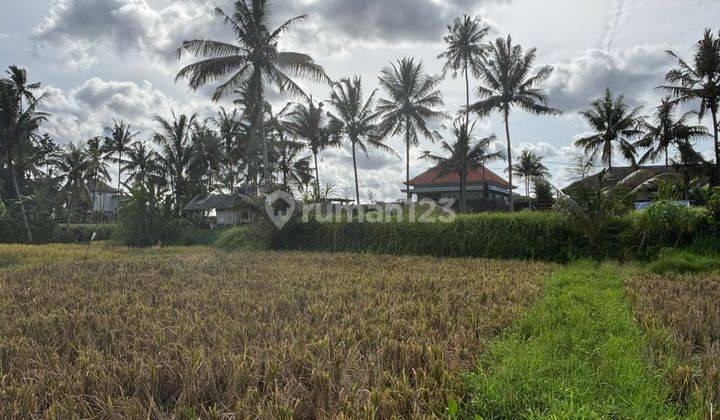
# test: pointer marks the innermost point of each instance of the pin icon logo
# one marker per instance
(280, 218)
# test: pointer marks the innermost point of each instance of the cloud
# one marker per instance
(85, 111)
(633, 72)
(80, 31)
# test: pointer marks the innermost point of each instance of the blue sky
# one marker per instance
(105, 59)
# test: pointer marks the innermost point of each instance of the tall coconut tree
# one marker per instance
(234, 133)
(699, 80)
(74, 165)
(175, 141)
(465, 52)
(117, 144)
(466, 153)
(412, 103)
(19, 123)
(141, 164)
(355, 119)
(310, 124)
(665, 130)
(509, 82)
(615, 124)
(97, 167)
(250, 62)
(530, 167)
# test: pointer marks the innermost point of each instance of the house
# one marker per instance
(435, 186)
(230, 209)
(106, 199)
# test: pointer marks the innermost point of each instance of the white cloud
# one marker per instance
(633, 72)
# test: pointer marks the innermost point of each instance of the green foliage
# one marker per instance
(82, 233)
(260, 234)
(535, 236)
(665, 225)
(684, 261)
(577, 354)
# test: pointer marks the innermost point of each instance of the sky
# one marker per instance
(100, 60)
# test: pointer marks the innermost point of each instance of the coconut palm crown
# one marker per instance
(615, 124)
(509, 82)
(412, 103)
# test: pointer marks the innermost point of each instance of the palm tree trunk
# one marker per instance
(717, 145)
(357, 188)
(317, 174)
(463, 203)
(16, 188)
(407, 160)
(509, 157)
(667, 161)
(119, 169)
(467, 95)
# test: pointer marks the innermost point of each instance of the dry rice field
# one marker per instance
(102, 331)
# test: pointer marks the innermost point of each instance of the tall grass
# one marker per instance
(97, 331)
(681, 312)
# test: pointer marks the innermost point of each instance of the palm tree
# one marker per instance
(233, 132)
(466, 153)
(614, 124)
(355, 119)
(174, 139)
(465, 52)
(665, 131)
(250, 62)
(205, 161)
(700, 80)
(97, 168)
(75, 167)
(117, 143)
(530, 167)
(141, 164)
(509, 82)
(309, 123)
(19, 123)
(413, 97)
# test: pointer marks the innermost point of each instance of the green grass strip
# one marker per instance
(577, 354)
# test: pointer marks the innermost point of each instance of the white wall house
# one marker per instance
(106, 199)
(227, 208)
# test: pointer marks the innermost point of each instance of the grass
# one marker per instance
(98, 331)
(684, 262)
(577, 354)
(681, 315)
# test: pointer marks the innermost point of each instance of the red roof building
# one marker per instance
(434, 185)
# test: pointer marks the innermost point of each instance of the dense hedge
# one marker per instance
(536, 236)
(82, 233)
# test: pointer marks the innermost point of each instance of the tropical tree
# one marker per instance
(250, 62)
(74, 165)
(310, 124)
(665, 130)
(234, 134)
(19, 122)
(529, 168)
(614, 123)
(465, 154)
(141, 164)
(355, 119)
(592, 206)
(117, 144)
(206, 159)
(175, 141)
(700, 80)
(413, 99)
(96, 166)
(508, 82)
(465, 52)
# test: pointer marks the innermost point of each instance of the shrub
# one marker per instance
(535, 236)
(665, 225)
(82, 233)
(258, 235)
